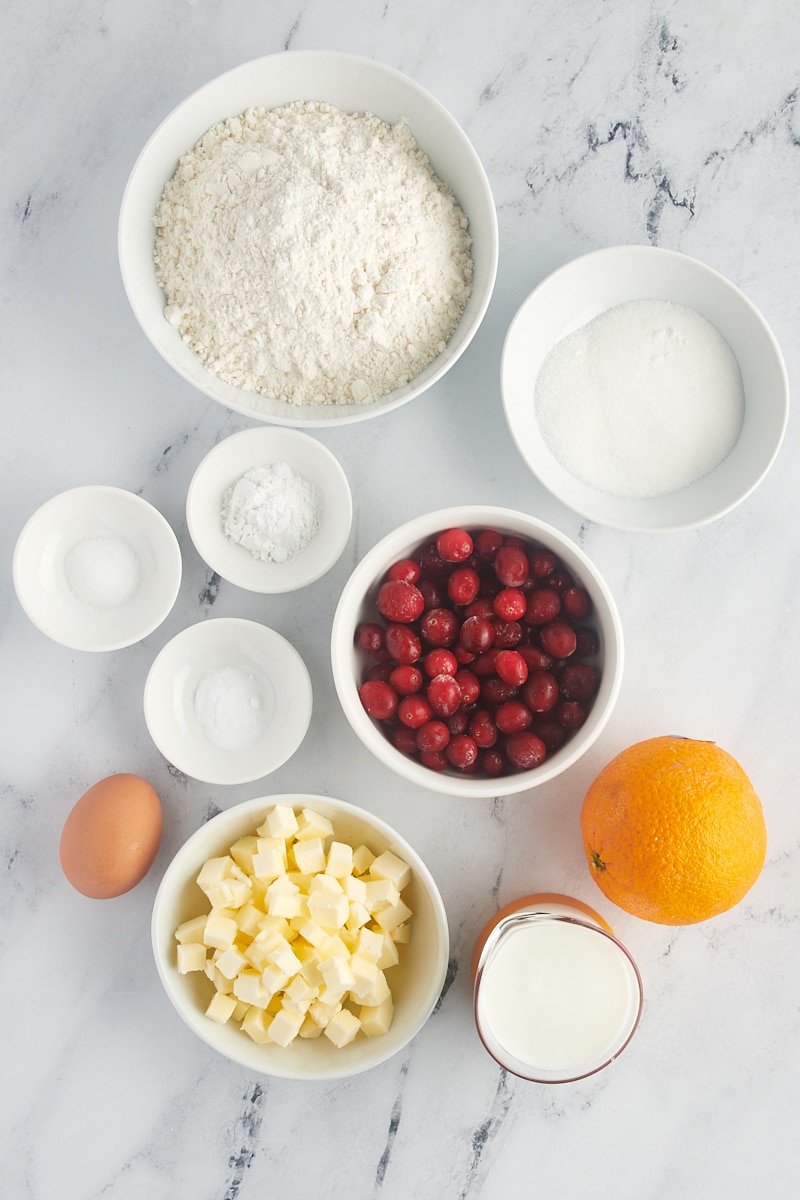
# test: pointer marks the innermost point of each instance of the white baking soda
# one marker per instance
(642, 400)
(558, 997)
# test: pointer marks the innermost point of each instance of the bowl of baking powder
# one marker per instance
(644, 390)
(310, 238)
(269, 509)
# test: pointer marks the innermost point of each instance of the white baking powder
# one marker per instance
(102, 571)
(312, 255)
(228, 705)
(642, 400)
(271, 511)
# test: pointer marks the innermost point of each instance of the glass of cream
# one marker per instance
(556, 995)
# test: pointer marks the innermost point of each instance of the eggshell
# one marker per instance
(111, 837)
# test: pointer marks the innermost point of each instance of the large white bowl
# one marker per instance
(580, 291)
(352, 84)
(356, 605)
(40, 574)
(416, 981)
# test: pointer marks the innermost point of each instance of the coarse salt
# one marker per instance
(102, 571)
(641, 401)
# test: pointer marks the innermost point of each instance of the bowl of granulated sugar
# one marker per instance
(644, 390)
(310, 239)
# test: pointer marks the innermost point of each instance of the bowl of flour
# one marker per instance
(310, 239)
(644, 390)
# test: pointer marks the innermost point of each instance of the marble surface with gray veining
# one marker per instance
(599, 122)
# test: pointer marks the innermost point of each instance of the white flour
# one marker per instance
(312, 255)
(641, 401)
(271, 511)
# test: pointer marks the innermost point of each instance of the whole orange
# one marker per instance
(673, 831)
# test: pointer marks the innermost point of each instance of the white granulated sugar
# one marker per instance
(312, 255)
(641, 401)
(271, 511)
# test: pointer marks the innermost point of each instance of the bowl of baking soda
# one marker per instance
(644, 389)
(269, 509)
(310, 239)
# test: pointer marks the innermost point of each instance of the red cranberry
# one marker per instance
(587, 642)
(540, 693)
(535, 657)
(369, 637)
(406, 569)
(560, 580)
(543, 563)
(379, 700)
(431, 562)
(406, 680)
(525, 750)
(454, 545)
(482, 728)
(495, 690)
(509, 604)
(511, 667)
(433, 594)
(432, 736)
(576, 603)
(579, 681)
(476, 634)
(481, 606)
(444, 695)
(462, 751)
(470, 686)
(513, 716)
(571, 714)
(457, 722)
(551, 731)
(434, 760)
(493, 762)
(380, 672)
(483, 664)
(511, 565)
(439, 626)
(507, 634)
(440, 662)
(462, 585)
(543, 605)
(405, 740)
(414, 711)
(463, 655)
(403, 644)
(399, 600)
(558, 638)
(487, 543)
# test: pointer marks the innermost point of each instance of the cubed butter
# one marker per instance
(342, 1028)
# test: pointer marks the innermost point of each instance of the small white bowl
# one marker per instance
(580, 291)
(352, 84)
(416, 981)
(41, 579)
(279, 678)
(357, 604)
(225, 464)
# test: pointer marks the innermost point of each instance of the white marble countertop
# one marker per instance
(599, 122)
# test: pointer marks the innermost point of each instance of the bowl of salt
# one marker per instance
(97, 568)
(227, 701)
(644, 390)
(269, 509)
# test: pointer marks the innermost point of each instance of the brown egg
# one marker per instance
(111, 837)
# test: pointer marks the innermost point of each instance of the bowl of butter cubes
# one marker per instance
(301, 937)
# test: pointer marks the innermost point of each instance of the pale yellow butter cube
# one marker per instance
(355, 889)
(370, 944)
(313, 933)
(322, 1010)
(287, 906)
(401, 934)
(334, 946)
(389, 918)
(230, 962)
(329, 909)
(310, 1028)
(214, 871)
(339, 862)
(310, 856)
(191, 957)
(242, 852)
(376, 994)
(357, 916)
(364, 972)
(325, 883)
(299, 994)
(283, 957)
(248, 918)
(390, 866)
(343, 1028)
(193, 930)
(337, 973)
(390, 955)
(247, 987)
(377, 1019)
(363, 859)
(256, 1025)
(220, 931)
(273, 979)
(312, 824)
(221, 1008)
(381, 893)
(285, 1026)
(269, 859)
(280, 822)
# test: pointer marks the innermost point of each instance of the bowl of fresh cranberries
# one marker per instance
(477, 651)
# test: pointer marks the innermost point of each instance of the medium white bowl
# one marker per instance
(416, 981)
(350, 83)
(225, 464)
(356, 605)
(280, 679)
(41, 579)
(580, 291)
